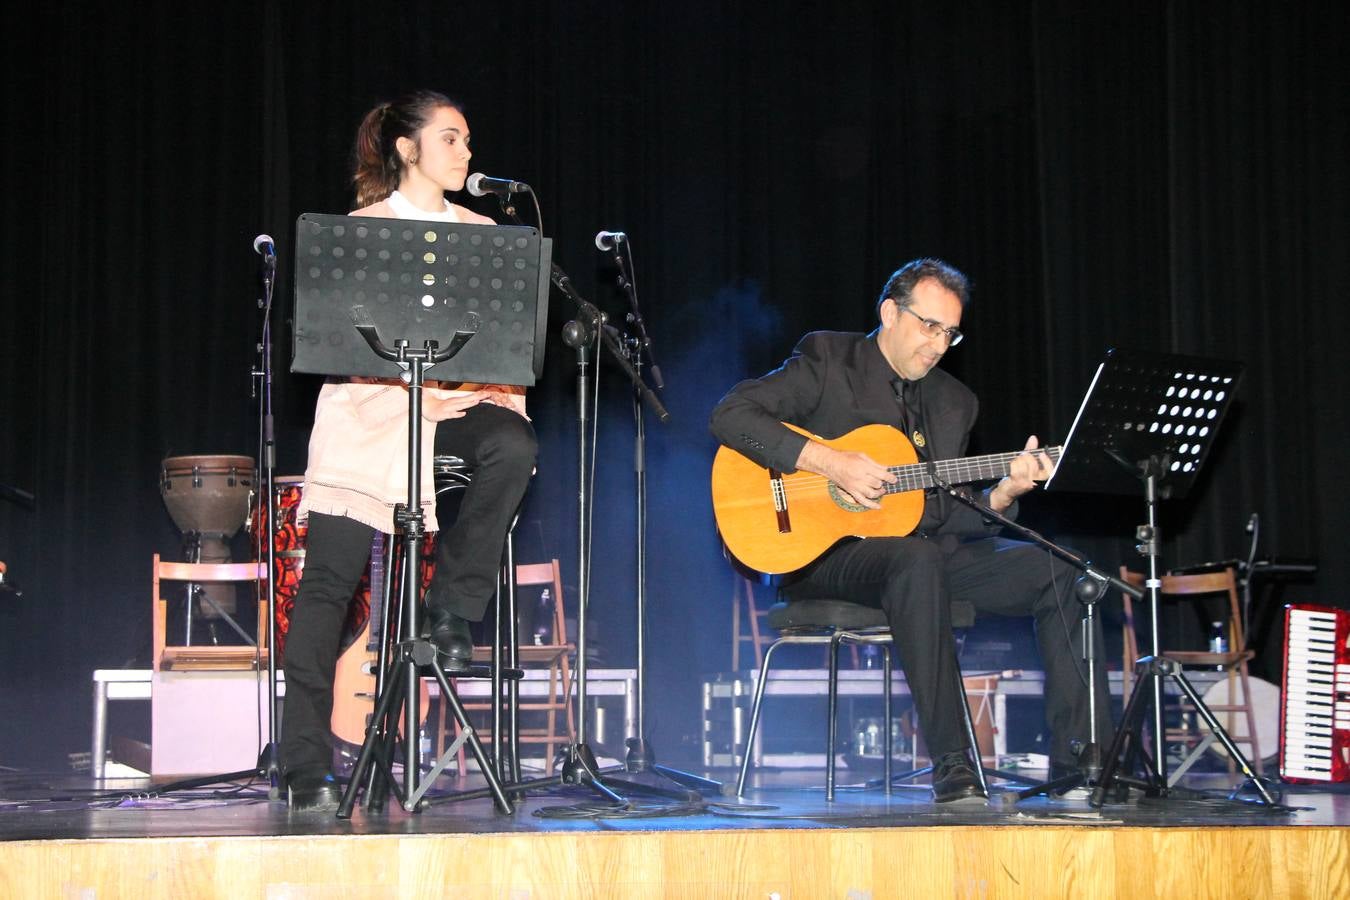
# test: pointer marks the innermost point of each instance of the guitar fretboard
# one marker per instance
(917, 476)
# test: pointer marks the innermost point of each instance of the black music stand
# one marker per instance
(1150, 418)
(417, 279)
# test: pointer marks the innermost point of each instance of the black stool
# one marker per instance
(837, 622)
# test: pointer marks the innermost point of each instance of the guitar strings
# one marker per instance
(915, 476)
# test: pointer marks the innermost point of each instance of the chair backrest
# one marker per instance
(199, 573)
(1223, 581)
(549, 573)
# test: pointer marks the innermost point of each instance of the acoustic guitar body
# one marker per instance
(777, 524)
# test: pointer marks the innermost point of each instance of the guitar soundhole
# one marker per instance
(841, 498)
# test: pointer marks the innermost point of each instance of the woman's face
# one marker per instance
(442, 150)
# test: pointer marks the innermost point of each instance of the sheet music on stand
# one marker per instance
(1142, 405)
(418, 280)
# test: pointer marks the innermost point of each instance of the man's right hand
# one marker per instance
(863, 478)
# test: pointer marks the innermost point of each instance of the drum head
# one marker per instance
(1265, 710)
(207, 494)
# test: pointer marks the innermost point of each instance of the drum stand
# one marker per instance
(413, 653)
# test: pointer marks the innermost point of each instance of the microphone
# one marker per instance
(481, 185)
(609, 240)
(264, 245)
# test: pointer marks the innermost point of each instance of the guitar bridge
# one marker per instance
(780, 501)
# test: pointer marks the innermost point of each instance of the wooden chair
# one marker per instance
(1188, 728)
(559, 725)
(210, 656)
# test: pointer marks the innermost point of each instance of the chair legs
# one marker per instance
(968, 723)
(834, 640)
(751, 733)
(832, 729)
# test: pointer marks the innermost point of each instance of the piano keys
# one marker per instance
(1315, 702)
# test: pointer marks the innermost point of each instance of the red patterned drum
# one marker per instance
(290, 562)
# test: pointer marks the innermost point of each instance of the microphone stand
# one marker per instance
(579, 765)
(269, 762)
(1090, 587)
(589, 327)
(640, 757)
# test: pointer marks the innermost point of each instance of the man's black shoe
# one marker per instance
(312, 792)
(451, 637)
(954, 780)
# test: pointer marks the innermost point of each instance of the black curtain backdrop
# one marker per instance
(1166, 176)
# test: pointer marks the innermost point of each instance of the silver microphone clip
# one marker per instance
(610, 240)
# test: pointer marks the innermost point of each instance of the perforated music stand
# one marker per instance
(1143, 406)
(433, 287)
(417, 280)
(1150, 418)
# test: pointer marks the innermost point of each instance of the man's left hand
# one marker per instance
(1027, 468)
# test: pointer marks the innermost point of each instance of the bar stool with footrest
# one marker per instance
(505, 653)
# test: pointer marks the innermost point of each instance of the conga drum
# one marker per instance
(289, 566)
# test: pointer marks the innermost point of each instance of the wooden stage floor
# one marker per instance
(62, 837)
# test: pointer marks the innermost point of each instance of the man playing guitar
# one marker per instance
(835, 383)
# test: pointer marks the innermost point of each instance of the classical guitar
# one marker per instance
(354, 677)
(775, 523)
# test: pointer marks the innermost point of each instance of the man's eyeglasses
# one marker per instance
(932, 328)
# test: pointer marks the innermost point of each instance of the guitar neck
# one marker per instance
(917, 476)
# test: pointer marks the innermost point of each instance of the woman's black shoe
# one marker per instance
(312, 792)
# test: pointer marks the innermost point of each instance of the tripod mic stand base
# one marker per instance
(269, 768)
(641, 760)
(1086, 773)
(578, 765)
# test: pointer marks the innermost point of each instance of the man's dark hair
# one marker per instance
(900, 286)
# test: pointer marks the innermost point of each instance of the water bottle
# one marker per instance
(1218, 641)
(870, 656)
(543, 619)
